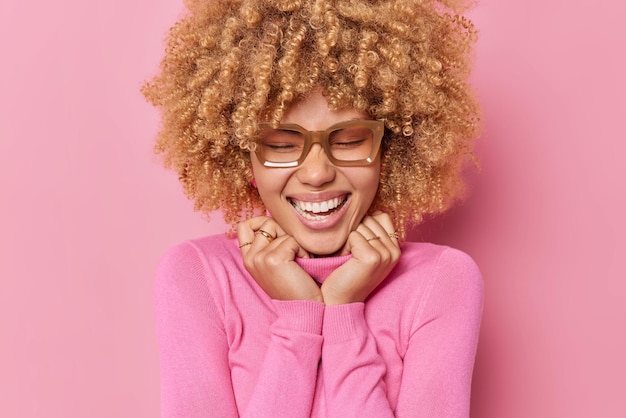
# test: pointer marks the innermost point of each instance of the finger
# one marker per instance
(299, 251)
(288, 244)
(383, 243)
(384, 220)
(366, 237)
(245, 231)
(379, 225)
(266, 233)
(273, 229)
(368, 231)
(382, 225)
(249, 231)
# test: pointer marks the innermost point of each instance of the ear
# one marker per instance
(253, 183)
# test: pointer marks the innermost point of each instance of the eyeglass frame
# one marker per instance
(377, 127)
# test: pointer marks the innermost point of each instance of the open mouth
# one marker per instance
(315, 211)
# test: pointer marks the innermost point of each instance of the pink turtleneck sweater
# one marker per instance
(228, 350)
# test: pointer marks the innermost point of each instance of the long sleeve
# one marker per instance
(439, 360)
(228, 350)
(353, 371)
(195, 342)
(195, 377)
(286, 385)
(436, 369)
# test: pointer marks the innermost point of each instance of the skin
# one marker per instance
(345, 231)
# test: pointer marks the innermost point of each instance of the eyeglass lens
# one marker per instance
(346, 144)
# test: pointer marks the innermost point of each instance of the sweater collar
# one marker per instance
(320, 268)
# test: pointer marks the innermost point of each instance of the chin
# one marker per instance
(323, 249)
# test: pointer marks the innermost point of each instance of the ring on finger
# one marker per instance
(394, 234)
(245, 243)
(266, 234)
(373, 238)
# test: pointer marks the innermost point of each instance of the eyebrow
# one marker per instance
(356, 119)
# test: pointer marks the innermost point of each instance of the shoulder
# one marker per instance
(218, 247)
(441, 271)
(440, 260)
(193, 258)
(454, 283)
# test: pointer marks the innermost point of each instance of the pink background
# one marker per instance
(87, 209)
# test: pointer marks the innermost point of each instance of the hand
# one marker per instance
(271, 261)
(374, 254)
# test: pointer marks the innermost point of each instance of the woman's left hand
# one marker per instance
(374, 254)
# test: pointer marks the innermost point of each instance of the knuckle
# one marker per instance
(372, 258)
(248, 263)
(385, 256)
(258, 259)
(272, 260)
(269, 222)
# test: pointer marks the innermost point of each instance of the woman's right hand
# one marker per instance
(271, 261)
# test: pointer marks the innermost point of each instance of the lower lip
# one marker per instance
(327, 221)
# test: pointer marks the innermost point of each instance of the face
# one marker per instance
(317, 202)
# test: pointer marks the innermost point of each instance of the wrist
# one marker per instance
(332, 297)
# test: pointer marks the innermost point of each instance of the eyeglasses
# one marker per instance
(347, 144)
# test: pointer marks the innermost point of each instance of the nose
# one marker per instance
(316, 169)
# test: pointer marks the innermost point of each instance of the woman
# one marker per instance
(321, 129)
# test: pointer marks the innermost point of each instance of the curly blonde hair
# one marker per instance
(230, 64)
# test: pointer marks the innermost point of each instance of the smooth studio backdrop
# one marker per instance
(87, 210)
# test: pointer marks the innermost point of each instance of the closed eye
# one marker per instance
(278, 147)
(348, 144)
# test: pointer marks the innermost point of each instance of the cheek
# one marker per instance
(262, 179)
(366, 181)
(270, 184)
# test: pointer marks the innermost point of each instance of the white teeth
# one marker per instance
(318, 207)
